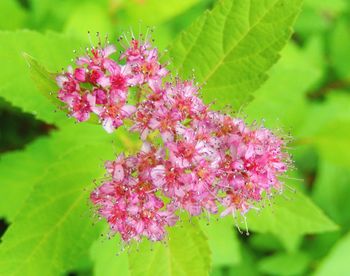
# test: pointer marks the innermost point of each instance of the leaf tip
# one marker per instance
(28, 58)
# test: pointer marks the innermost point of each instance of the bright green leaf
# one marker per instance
(44, 81)
(20, 171)
(153, 12)
(53, 231)
(186, 253)
(51, 50)
(15, 15)
(232, 47)
(333, 6)
(106, 257)
(223, 242)
(47, 188)
(89, 17)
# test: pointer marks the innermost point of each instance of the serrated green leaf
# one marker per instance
(284, 264)
(233, 46)
(20, 171)
(337, 262)
(51, 50)
(53, 231)
(187, 253)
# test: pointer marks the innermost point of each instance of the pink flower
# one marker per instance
(192, 158)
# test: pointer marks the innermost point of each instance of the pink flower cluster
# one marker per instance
(198, 160)
(100, 85)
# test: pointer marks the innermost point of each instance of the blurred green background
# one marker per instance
(307, 94)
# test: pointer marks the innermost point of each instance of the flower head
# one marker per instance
(192, 158)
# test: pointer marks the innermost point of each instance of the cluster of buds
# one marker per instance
(193, 159)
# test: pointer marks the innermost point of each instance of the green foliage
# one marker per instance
(53, 51)
(154, 12)
(186, 253)
(223, 242)
(86, 18)
(293, 75)
(284, 264)
(232, 48)
(54, 217)
(107, 261)
(234, 60)
(15, 12)
(339, 54)
(337, 263)
(21, 171)
(331, 191)
(327, 127)
(44, 80)
(291, 217)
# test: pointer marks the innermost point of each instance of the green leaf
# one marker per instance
(53, 231)
(265, 242)
(186, 253)
(285, 90)
(15, 16)
(247, 266)
(107, 261)
(45, 15)
(155, 12)
(317, 17)
(232, 47)
(332, 190)
(333, 109)
(333, 142)
(337, 262)
(223, 243)
(284, 264)
(44, 80)
(289, 219)
(51, 50)
(89, 17)
(339, 49)
(20, 171)
(331, 6)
